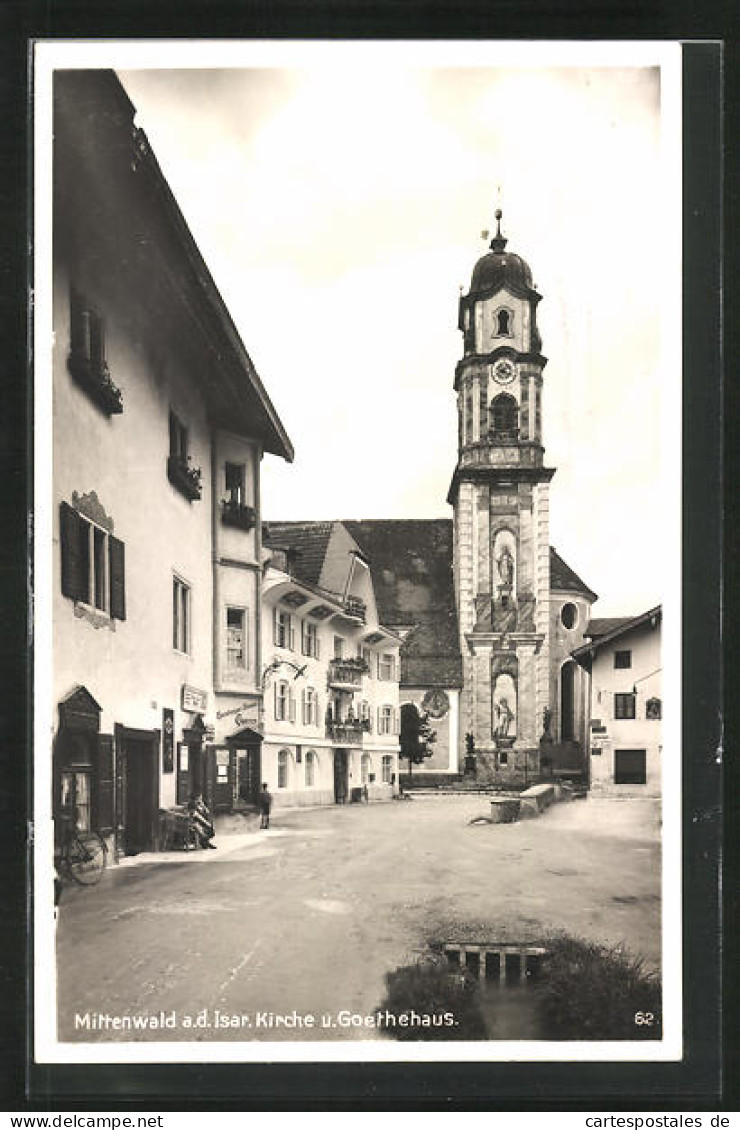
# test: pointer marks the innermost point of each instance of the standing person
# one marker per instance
(202, 822)
(265, 806)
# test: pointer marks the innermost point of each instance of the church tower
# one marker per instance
(499, 494)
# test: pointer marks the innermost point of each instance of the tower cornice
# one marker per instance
(498, 476)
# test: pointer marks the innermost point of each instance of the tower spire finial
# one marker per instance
(498, 243)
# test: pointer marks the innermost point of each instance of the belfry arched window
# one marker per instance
(504, 415)
(503, 322)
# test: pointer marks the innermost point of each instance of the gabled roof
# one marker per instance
(563, 578)
(586, 652)
(600, 626)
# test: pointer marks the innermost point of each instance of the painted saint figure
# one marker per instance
(505, 564)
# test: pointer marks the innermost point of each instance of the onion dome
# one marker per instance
(500, 268)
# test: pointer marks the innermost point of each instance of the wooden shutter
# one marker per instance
(275, 688)
(275, 626)
(291, 706)
(291, 634)
(117, 557)
(103, 786)
(304, 712)
(74, 583)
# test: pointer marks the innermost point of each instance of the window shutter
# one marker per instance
(317, 645)
(73, 583)
(275, 689)
(291, 634)
(291, 706)
(117, 557)
(304, 640)
(304, 709)
(275, 626)
(380, 719)
(103, 797)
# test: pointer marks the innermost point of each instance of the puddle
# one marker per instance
(329, 906)
(510, 1011)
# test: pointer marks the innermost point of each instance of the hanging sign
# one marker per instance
(168, 740)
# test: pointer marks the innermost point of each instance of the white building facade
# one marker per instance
(159, 426)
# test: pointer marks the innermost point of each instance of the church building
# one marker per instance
(489, 613)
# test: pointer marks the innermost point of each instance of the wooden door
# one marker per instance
(139, 786)
(340, 776)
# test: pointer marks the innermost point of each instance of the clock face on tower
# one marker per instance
(504, 372)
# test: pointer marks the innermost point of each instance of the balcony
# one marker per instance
(355, 609)
(349, 731)
(184, 478)
(346, 674)
(238, 515)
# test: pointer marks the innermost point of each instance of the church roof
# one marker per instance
(564, 579)
(501, 268)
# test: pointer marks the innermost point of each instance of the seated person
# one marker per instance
(202, 821)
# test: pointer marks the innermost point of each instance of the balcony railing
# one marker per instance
(349, 730)
(355, 608)
(347, 673)
(184, 477)
(238, 514)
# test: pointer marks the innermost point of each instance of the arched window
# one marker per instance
(310, 769)
(503, 323)
(283, 762)
(504, 415)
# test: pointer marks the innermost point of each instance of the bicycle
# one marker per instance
(82, 855)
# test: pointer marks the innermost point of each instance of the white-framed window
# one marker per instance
(339, 647)
(366, 765)
(310, 638)
(367, 655)
(284, 632)
(386, 719)
(310, 768)
(236, 639)
(387, 666)
(75, 797)
(284, 702)
(283, 768)
(181, 615)
(310, 706)
(386, 769)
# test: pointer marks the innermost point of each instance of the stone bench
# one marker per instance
(537, 799)
(504, 809)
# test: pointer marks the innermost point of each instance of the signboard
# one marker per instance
(193, 700)
(168, 740)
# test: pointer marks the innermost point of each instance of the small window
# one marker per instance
(283, 762)
(235, 483)
(624, 706)
(310, 707)
(75, 798)
(87, 360)
(180, 615)
(284, 635)
(185, 477)
(236, 643)
(569, 616)
(310, 639)
(282, 701)
(310, 769)
(385, 720)
(339, 647)
(386, 769)
(387, 667)
(622, 659)
(630, 767)
(367, 655)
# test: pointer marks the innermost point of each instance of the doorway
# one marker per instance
(138, 790)
(567, 702)
(341, 781)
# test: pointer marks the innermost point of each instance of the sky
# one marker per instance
(339, 203)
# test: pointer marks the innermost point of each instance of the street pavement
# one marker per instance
(306, 919)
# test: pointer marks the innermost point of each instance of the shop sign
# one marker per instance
(194, 700)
